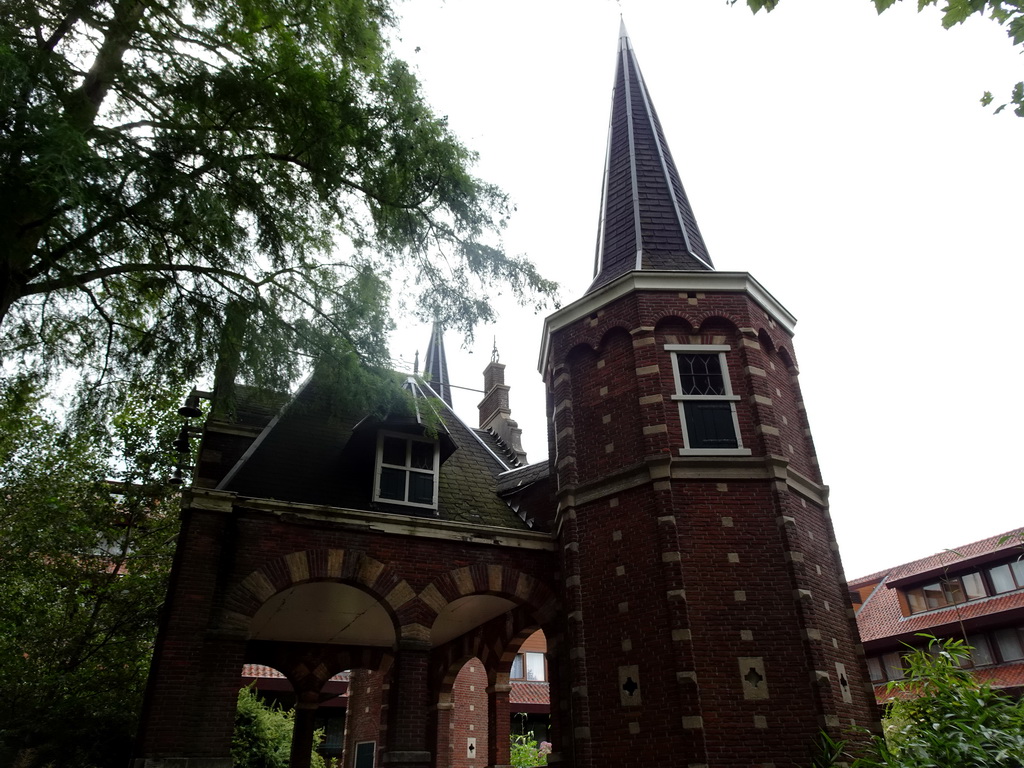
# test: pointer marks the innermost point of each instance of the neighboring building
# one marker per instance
(675, 549)
(973, 593)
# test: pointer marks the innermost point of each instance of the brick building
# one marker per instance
(675, 548)
(974, 592)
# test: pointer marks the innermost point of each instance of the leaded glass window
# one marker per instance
(707, 407)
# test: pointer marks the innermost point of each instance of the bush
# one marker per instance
(263, 734)
(525, 752)
(941, 716)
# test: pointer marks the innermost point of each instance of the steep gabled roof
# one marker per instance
(646, 218)
(311, 453)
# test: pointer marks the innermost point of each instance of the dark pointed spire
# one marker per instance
(646, 219)
(435, 366)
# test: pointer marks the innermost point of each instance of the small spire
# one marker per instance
(416, 363)
(494, 351)
(435, 366)
(646, 220)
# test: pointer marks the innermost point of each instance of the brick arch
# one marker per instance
(765, 340)
(335, 565)
(308, 668)
(593, 344)
(787, 359)
(706, 322)
(494, 643)
(673, 321)
(516, 633)
(581, 351)
(449, 666)
(497, 580)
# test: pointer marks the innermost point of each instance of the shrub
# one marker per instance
(941, 716)
(263, 734)
(525, 752)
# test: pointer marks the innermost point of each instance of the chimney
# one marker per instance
(495, 414)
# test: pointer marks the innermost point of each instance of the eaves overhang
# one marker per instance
(651, 281)
(366, 521)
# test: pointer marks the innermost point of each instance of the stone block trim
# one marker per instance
(317, 565)
(491, 579)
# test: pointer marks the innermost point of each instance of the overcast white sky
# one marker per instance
(838, 156)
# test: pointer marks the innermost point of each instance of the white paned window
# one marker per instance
(528, 666)
(707, 406)
(407, 470)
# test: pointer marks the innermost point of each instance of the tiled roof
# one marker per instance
(951, 558)
(881, 617)
(646, 218)
(260, 670)
(1003, 676)
(528, 692)
(871, 578)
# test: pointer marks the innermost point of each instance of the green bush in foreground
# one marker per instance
(941, 716)
(263, 734)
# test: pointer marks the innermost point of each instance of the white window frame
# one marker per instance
(681, 399)
(528, 661)
(373, 752)
(407, 468)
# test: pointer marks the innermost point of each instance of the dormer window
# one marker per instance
(407, 468)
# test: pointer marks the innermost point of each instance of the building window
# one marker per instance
(1007, 577)
(972, 585)
(406, 470)
(528, 666)
(981, 651)
(365, 753)
(875, 671)
(707, 406)
(946, 592)
(1008, 641)
(893, 664)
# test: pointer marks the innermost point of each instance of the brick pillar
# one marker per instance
(559, 727)
(498, 725)
(364, 716)
(443, 735)
(302, 730)
(409, 710)
(189, 712)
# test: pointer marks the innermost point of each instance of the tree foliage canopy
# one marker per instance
(159, 159)
(87, 530)
(1009, 13)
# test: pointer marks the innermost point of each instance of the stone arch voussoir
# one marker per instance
(295, 568)
(490, 579)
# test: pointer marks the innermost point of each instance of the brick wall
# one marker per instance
(708, 617)
(469, 717)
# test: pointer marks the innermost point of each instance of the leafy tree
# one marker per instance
(161, 161)
(87, 532)
(1008, 13)
(941, 716)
